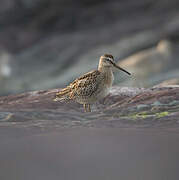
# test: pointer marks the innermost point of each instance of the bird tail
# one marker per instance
(62, 95)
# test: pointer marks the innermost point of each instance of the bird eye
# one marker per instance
(110, 60)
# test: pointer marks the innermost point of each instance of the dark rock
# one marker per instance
(25, 22)
(124, 107)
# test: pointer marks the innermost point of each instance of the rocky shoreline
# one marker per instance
(124, 107)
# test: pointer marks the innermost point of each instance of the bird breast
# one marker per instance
(108, 79)
(106, 85)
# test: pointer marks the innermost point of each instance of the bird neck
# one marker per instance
(103, 68)
(108, 74)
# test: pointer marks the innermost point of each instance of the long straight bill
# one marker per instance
(121, 69)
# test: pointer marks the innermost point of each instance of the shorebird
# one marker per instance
(92, 86)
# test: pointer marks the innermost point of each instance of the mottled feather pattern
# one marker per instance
(63, 94)
(83, 87)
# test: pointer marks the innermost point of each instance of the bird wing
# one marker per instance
(86, 84)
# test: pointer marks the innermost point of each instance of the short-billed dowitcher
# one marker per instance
(92, 86)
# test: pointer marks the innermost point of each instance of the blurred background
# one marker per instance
(47, 44)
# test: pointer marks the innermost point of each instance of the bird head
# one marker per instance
(107, 60)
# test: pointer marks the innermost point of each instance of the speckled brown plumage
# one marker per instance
(82, 88)
(91, 86)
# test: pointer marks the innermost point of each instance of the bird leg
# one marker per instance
(89, 108)
(84, 106)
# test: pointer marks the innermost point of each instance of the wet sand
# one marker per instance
(89, 154)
